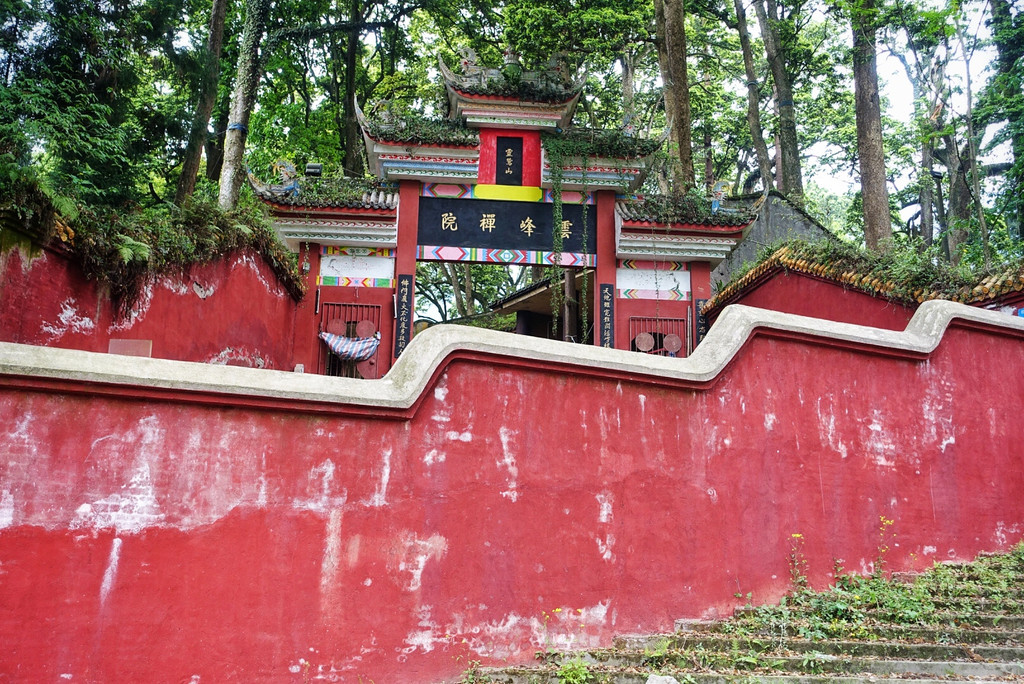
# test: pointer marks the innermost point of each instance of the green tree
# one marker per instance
(870, 151)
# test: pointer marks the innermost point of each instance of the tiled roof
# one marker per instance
(802, 258)
(685, 210)
(381, 199)
(422, 131)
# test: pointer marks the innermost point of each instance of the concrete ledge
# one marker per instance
(408, 379)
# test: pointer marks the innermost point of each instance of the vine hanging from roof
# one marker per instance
(560, 150)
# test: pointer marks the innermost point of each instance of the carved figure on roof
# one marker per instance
(559, 67)
(289, 185)
(469, 62)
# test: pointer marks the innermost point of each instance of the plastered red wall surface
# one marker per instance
(230, 311)
(797, 293)
(170, 536)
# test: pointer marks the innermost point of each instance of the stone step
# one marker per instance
(876, 649)
(810, 662)
(968, 620)
(1001, 605)
(549, 675)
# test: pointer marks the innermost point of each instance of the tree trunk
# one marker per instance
(926, 194)
(199, 132)
(753, 97)
(242, 99)
(353, 138)
(709, 162)
(1010, 53)
(875, 194)
(670, 17)
(975, 182)
(215, 147)
(959, 214)
(628, 91)
(790, 178)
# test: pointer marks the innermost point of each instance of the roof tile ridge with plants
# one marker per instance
(419, 130)
(876, 275)
(601, 143)
(336, 193)
(688, 209)
(524, 91)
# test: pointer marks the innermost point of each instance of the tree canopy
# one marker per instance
(99, 98)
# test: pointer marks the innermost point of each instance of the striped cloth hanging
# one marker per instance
(352, 348)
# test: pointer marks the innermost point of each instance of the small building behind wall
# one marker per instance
(777, 220)
(798, 278)
(488, 185)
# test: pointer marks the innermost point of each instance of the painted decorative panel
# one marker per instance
(357, 271)
(634, 283)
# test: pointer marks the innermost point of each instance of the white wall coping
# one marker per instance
(408, 379)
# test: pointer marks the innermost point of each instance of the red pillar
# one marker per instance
(700, 291)
(604, 281)
(405, 264)
(304, 327)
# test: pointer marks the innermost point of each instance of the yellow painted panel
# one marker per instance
(518, 193)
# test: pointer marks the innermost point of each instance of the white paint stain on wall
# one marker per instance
(426, 636)
(443, 413)
(331, 563)
(110, 573)
(1003, 533)
(456, 436)
(604, 547)
(508, 461)
(69, 319)
(239, 356)
(937, 411)
(433, 456)
(131, 509)
(879, 442)
(320, 496)
(248, 261)
(6, 509)
(769, 421)
(827, 426)
(379, 497)
(415, 553)
(605, 501)
(261, 495)
(175, 285)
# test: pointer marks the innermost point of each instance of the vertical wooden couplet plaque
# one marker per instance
(509, 169)
(607, 315)
(701, 321)
(403, 313)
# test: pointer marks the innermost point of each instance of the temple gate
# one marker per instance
(483, 186)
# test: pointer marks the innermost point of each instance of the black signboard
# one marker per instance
(403, 313)
(503, 224)
(509, 165)
(701, 319)
(606, 322)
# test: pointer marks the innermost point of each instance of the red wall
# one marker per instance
(489, 155)
(798, 293)
(152, 534)
(230, 311)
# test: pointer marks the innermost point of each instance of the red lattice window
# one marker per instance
(661, 336)
(349, 320)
